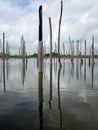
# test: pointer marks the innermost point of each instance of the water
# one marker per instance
(59, 99)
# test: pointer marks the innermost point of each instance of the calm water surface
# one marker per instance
(59, 99)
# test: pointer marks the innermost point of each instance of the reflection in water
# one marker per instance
(71, 104)
(71, 72)
(44, 66)
(26, 63)
(59, 98)
(92, 74)
(55, 68)
(0, 73)
(63, 67)
(4, 80)
(72, 69)
(24, 68)
(40, 98)
(80, 68)
(7, 68)
(77, 68)
(85, 69)
(50, 100)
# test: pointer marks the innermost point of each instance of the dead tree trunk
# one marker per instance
(77, 48)
(85, 48)
(92, 49)
(40, 47)
(3, 44)
(50, 40)
(72, 49)
(59, 33)
(63, 50)
(7, 48)
(0, 47)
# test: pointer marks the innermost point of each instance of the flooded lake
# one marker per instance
(59, 99)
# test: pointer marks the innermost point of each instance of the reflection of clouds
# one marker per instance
(76, 88)
(15, 74)
(77, 99)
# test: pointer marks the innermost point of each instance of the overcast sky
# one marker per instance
(17, 17)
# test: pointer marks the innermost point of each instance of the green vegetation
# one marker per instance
(47, 55)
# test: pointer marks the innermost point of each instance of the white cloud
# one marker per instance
(79, 21)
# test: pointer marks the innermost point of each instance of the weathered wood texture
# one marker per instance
(50, 26)
(59, 30)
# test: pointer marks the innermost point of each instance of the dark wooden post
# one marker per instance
(40, 47)
(59, 29)
(50, 40)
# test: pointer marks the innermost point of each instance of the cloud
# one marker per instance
(17, 18)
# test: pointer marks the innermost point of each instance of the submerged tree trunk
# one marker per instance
(59, 32)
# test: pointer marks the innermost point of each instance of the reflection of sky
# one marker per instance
(68, 78)
(77, 98)
(73, 87)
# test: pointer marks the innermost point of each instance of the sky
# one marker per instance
(20, 17)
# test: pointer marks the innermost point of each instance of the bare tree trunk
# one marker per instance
(7, 48)
(77, 48)
(72, 49)
(40, 47)
(81, 60)
(85, 48)
(92, 49)
(59, 32)
(3, 44)
(50, 40)
(0, 47)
